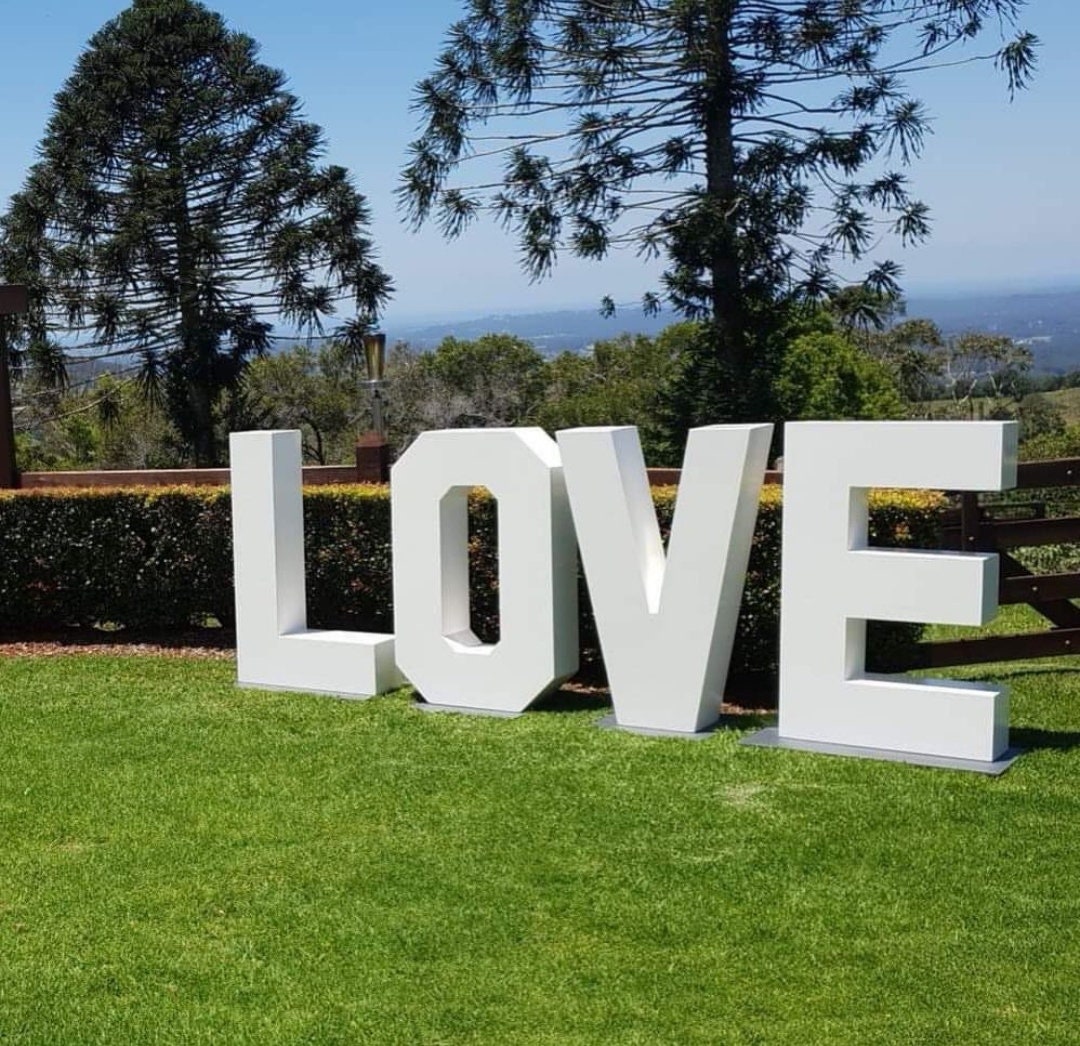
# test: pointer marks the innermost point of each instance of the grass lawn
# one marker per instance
(1065, 400)
(185, 862)
(1068, 402)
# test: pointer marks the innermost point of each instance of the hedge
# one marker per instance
(162, 558)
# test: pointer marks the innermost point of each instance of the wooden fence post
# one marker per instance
(13, 300)
(372, 458)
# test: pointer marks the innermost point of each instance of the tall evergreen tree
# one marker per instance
(755, 144)
(178, 210)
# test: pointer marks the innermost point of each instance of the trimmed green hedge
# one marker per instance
(160, 558)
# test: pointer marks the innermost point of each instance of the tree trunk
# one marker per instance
(196, 348)
(725, 277)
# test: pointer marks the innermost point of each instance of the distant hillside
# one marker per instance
(550, 332)
(1048, 321)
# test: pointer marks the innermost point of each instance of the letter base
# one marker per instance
(609, 722)
(770, 738)
(497, 713)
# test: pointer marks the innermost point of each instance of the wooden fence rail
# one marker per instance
(980, 528)
(313, 475)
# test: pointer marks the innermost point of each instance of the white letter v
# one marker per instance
(666, 627)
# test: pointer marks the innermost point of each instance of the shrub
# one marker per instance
(826, 376)
(138, 558)
(1063, 443)
(163, 558)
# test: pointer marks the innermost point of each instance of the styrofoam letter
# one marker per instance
(666, 626)
(436, 648)
(832, 583)
(274, 646)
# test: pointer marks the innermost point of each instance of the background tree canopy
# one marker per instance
(179, 209)
(754, 144)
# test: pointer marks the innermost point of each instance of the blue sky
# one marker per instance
(1000, 178)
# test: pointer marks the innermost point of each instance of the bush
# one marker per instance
(163, 559)
(825, 376)
(1064, 443)
(144, 559)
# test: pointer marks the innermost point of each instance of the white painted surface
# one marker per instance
(274, 646)
(538, 640)
(832, 583)
(666, 624)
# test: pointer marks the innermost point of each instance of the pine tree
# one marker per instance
(179, 209)
(753, 144)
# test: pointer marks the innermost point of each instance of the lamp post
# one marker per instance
(13, 300)
(375, 357)
(372, 450)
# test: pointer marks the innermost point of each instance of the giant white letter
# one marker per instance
(666, 627)
(832, 582)
(436, 648)
(274, 646)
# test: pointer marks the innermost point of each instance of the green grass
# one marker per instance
(185, 862)
(1065, 400)
(1009, 620)
(1068, 402)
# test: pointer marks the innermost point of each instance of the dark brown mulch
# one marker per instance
(212, 643)
(220, 644)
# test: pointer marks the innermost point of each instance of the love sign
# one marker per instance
(666, 621)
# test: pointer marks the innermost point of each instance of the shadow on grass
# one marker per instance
(1026, 671)
(1032, 739)
(574, 699)
(756, 720)
(589, 699)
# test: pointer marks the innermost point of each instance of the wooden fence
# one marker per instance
(979, 527)
(313, 475)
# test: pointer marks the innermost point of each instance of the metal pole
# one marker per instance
(372, 450)
(13, 300)
(377, 419)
